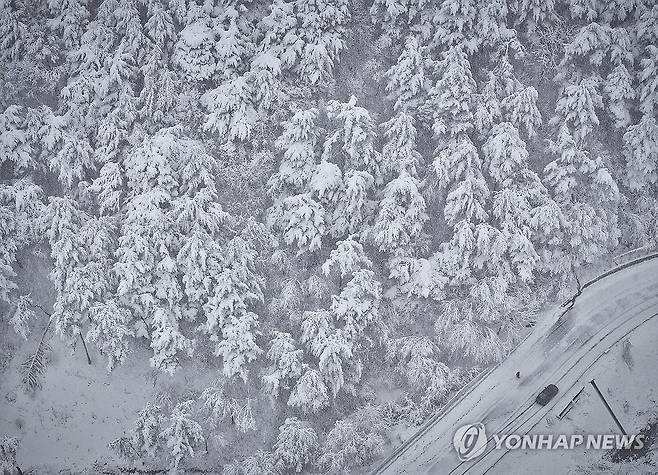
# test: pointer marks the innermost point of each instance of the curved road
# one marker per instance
(560, 350)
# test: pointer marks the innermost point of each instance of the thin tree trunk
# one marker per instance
(146, 327)
(575, 274)
(85, 346)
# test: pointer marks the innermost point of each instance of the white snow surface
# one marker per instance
(569, 352)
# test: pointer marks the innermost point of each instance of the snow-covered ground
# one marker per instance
(66, 426)
(80, 409)
(568, 351)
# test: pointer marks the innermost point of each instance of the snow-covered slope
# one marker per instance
(561, 350)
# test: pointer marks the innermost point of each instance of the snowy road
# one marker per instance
(560, 351)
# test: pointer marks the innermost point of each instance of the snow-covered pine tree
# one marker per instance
(72, 296)
(29, 209)
(295, 212)
(394, 17)
(146, 265)
(454, 25)
(167, 340)
(357, 306)
(301, 219)
(7, 284)
(598, 50)
(532, 13)
(295, 445)
(99, 101)
(646, 25)
(69, 19)
(160, 27)
(347, 257)
(355, 133)
(193, 52)
(238, 346)
(416, 361)
(399, 153)
(488, 107)
(327, 184)
(619, 93)
(230, 323)
(354, 206)
(73, 160)
(15, 143)
(233, 106)
(298, 142)
(110, 330)
(323, 31)
(316, 327)
(459, 170)
(588, 197)
(458, 166)
(591, 43)
(183, 435)
(335, 356)
(278, 35)
(335, 348)
(233, 44)
(219, 406)
(472, 325)
(350, 444)
(401, 215)
(145, 434)
(505, 153)
(265, 75)
(158, 97)
(649, 81)
(641, 153)
(620, 10)
(577, 107)
(340, 197)
(491, 28)
(21, 223)
(344, 193)
(129, 27)
(587, 9)
(179, 10)
(310, 392)
(450, 103)
(286, 363)
(12, 32)
(202, 221)
(23, 316)
(521, 110)
(519, 199)
(232, 110)
(408, 79)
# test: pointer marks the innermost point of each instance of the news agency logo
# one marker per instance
(470, 441)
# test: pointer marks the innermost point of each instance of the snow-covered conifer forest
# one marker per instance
(278, 229)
